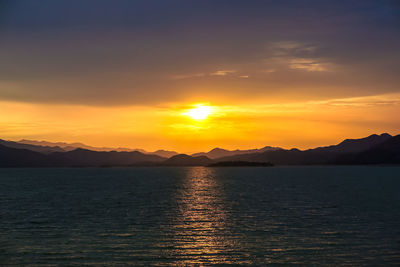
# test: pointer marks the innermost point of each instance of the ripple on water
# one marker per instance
(186, 216)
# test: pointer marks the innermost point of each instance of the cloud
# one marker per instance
(309, 64)
(287, 48)
(222, 72)
(366, 101)
(113, 54)
(267, 71)
(198, 75)
(187, 76)
(297, 56)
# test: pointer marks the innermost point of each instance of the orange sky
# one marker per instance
(244, 125)
(122, 73)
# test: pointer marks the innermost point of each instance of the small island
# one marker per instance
(241, 164)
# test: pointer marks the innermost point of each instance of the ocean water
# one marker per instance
(186, 216)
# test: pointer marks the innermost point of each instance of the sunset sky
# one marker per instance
(129, 73)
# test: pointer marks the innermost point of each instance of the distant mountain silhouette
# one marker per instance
(342, 153)
(357, 145)
(38, 148)
(387, 152)
(14, 157)
(163, 153)
(219, 152)
(186, 160)
(72, 146)
(84, 157)
(284, 157)
(374, 149)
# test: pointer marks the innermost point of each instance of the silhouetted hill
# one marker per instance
(356, 145)
(285, 157)
(37, 148)
(163, 153)
(72, 146)
(345, 152)
(14, 157)
(374, 149)
(219, 152)
(387, 152)
(186, 160)
(84, 157)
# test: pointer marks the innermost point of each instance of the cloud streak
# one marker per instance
(309, 64)
(222, 72)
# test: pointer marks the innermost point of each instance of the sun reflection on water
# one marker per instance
(201, 230)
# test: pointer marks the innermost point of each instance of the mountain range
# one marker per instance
(62, 147)
(46, 149)
(374, 149)
(345, 152)
(219, 152)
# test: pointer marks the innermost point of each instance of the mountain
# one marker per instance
(357, 145)
(374, 149)
(14, 157)
(284, 157)
(342, 153)
(83, 157)
(186, 160)
(72, 146)
(387, 152)
(219, 152)
(163, 153)
(38, 148)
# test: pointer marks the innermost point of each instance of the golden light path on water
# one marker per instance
(201, 231)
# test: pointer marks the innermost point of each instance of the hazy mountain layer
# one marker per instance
(344, 153)
(219, 152)
(374, 149)
(72, 146)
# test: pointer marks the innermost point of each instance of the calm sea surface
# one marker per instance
(184, 216)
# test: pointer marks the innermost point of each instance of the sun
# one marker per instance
(200, 112)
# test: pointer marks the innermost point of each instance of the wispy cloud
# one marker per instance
(222, 72)
(203, 74)
(367, 101)
(187, 76)
(309, 64)
(287, 48)
(267, 71)
(298, 56)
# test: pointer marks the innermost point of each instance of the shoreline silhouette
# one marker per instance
(374, 149)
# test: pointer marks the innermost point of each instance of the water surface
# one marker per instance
(177, 216)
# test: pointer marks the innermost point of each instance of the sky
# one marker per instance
(125, 73)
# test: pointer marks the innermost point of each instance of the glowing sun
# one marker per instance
(200, 112)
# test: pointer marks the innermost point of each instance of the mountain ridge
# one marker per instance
(374, 149)
(319, 155)
(187, 160)
(37, 148)
(72, 146)
(13, 157)
(220, 152)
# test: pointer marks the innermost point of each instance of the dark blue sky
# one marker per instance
(145, 52)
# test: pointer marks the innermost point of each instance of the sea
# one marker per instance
(200, 216)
